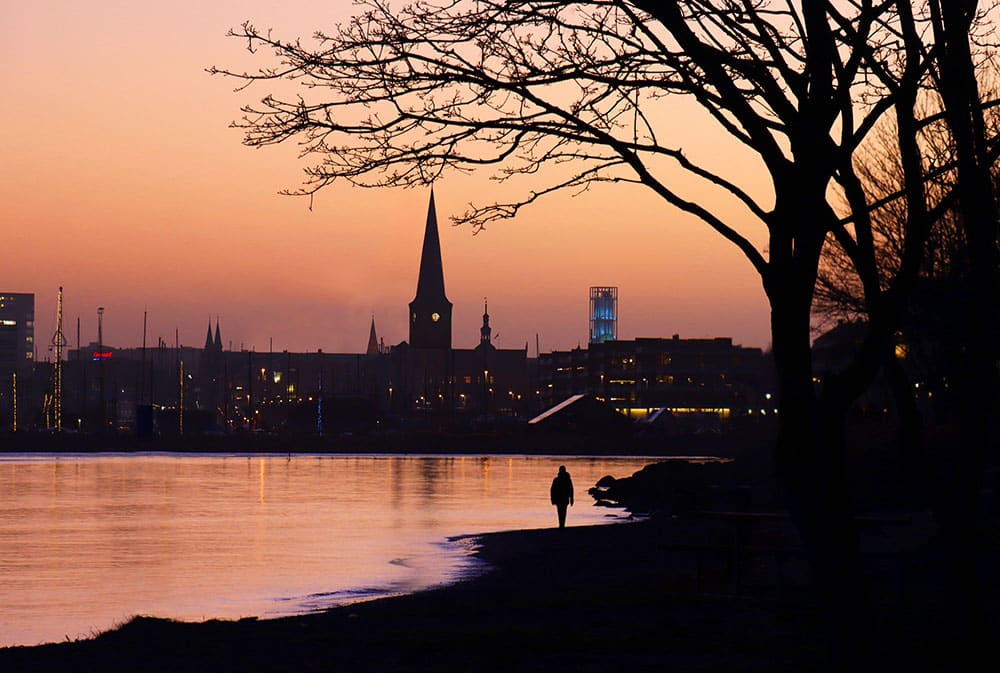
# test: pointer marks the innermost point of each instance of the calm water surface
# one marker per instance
(88, 541)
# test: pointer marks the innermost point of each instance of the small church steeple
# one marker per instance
(485, 332)
(430, 310)
(373, 348)
(213, 345)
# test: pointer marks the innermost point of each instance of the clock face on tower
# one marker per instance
(435, 317)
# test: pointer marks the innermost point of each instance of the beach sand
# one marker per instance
(655, 595)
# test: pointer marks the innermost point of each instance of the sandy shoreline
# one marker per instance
(634, 597)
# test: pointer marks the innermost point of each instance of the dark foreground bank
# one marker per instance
(580, 599)
(669, 594)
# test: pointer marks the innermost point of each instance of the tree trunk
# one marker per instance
(810, 460)
(978, 209)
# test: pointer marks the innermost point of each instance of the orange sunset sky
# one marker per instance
(121, 181)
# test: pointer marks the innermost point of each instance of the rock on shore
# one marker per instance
(676, 487)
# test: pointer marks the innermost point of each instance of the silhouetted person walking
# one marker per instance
(561, 494)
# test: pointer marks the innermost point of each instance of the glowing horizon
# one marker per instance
(124, 184)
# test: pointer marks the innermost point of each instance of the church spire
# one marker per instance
(485, 332)
(208, 337)
(218, 335)
(430, 282)
(373, 348)
(430, 310)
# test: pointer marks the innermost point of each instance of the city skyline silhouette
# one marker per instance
(143, 199)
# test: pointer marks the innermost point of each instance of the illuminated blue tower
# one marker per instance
(603, 314)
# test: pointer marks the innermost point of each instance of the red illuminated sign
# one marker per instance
(99, 355)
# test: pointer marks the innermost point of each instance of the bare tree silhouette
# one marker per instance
(551, 96)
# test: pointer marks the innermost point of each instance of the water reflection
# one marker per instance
(89, 541)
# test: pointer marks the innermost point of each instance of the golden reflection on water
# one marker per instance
(88, 541)
(260, 491)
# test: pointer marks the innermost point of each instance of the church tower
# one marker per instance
(430, 310)
(213, 345)
(486, 332)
